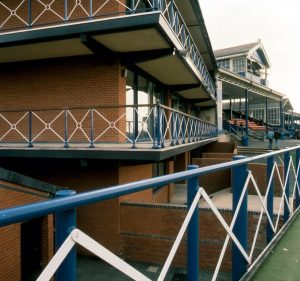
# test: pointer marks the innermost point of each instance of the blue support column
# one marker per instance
(193, 230)
(287, 189)
(66, 144)
(65, 222)
(66, 10)
(158, 126)
(30, 129)
(297, 199)
(29, 13)
(246, 110)
(92, 145)
(240, 229)
(270, 208)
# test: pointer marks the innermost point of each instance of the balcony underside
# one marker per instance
(144, 152)
(130, 38)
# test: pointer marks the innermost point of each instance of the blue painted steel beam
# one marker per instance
(240, 229)
(193, 230)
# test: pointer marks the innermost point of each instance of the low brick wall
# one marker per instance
(215, 181)
(148, 232)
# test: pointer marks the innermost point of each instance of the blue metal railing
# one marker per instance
(64, 206)
(149, 125)
(95, 10)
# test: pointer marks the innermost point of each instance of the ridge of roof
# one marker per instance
(235, 50)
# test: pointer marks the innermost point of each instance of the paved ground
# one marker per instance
(283, 264)
(93, 269)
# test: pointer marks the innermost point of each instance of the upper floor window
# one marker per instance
(239, 65)
(225, 63)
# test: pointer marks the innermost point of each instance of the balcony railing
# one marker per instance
(243, 257)
(143, 126)
(28, 14)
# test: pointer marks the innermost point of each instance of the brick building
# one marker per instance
(99, 93)
(33, 238)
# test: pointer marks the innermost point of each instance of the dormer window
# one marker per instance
(239, 65)
(225, 63)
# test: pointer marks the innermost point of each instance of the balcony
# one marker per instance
(40, 29)
(143, 132)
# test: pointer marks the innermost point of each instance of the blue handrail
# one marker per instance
(70, 203)
(21, 213)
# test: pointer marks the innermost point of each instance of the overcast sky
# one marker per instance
(275, 22)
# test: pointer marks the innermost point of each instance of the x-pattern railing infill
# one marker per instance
(34, 13)
(242, 178)
(149, 125)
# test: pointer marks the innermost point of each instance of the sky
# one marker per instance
(275, 22)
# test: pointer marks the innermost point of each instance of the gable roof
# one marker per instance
(236, 50)
(254, 50)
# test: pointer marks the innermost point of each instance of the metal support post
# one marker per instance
(183, 129)
(240, 229)
(172, 128)
(29, 13)
(30, 129)
(286, 213)
(66, 144)
(246, 110)
(158, 124)
(92, 145)
(91, 9)
(281, 114)
(193, 230)
(66, 10)
(65, 222)
(267, 116)
(297, 199)
(177, 124)
(270, 197)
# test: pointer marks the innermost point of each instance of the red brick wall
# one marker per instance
(148, 232)
(130, 173)
(259, 172)
(216, 181)
(62, 83)
(10, 236)
(10, 254)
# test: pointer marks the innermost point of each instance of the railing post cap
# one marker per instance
(192, 167)
(65, 193)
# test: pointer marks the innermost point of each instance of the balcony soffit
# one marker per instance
(42, 50)
(130, 41)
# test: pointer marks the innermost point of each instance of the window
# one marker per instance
(139, 119)
(225, 63)
(239, 65)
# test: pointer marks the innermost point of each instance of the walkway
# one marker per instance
(283, 263)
